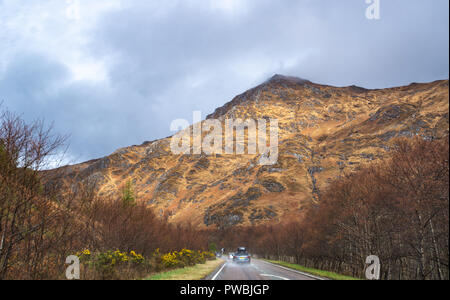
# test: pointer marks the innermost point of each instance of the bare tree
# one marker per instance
(25, 209)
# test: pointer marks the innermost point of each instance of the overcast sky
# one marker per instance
(113, 73)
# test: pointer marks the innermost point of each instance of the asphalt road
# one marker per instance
(257, 270)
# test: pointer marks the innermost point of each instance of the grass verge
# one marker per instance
(320, 273)
(196, 272)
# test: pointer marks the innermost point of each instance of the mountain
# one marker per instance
(324, 131)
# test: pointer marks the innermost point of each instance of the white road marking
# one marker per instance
(217, 274)
(292, 270)
(268, 275)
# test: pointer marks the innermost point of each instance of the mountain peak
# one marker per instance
(278, 78)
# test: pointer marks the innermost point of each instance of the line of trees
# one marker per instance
(397, 209)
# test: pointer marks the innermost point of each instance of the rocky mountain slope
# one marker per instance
(324, 131)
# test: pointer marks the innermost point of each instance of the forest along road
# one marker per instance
(258, 270)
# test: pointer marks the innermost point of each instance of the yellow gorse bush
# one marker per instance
(185, 257)
(84, 255)
(137, 258)
(107, 263)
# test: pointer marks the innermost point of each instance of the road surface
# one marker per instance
(257, 270)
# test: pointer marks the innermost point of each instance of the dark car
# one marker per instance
(242, 256)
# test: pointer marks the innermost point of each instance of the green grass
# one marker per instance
(197, 272)
(320, 273)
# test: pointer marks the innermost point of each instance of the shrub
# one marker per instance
(185, 258)
(170, 260)
(107, 264)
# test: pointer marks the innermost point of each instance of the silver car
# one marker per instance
(242, 256)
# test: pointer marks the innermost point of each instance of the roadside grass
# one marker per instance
(320, 273)
(196, 272)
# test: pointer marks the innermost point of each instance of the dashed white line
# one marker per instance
(268, 275)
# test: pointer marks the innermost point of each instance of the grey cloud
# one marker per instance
(170, 58)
